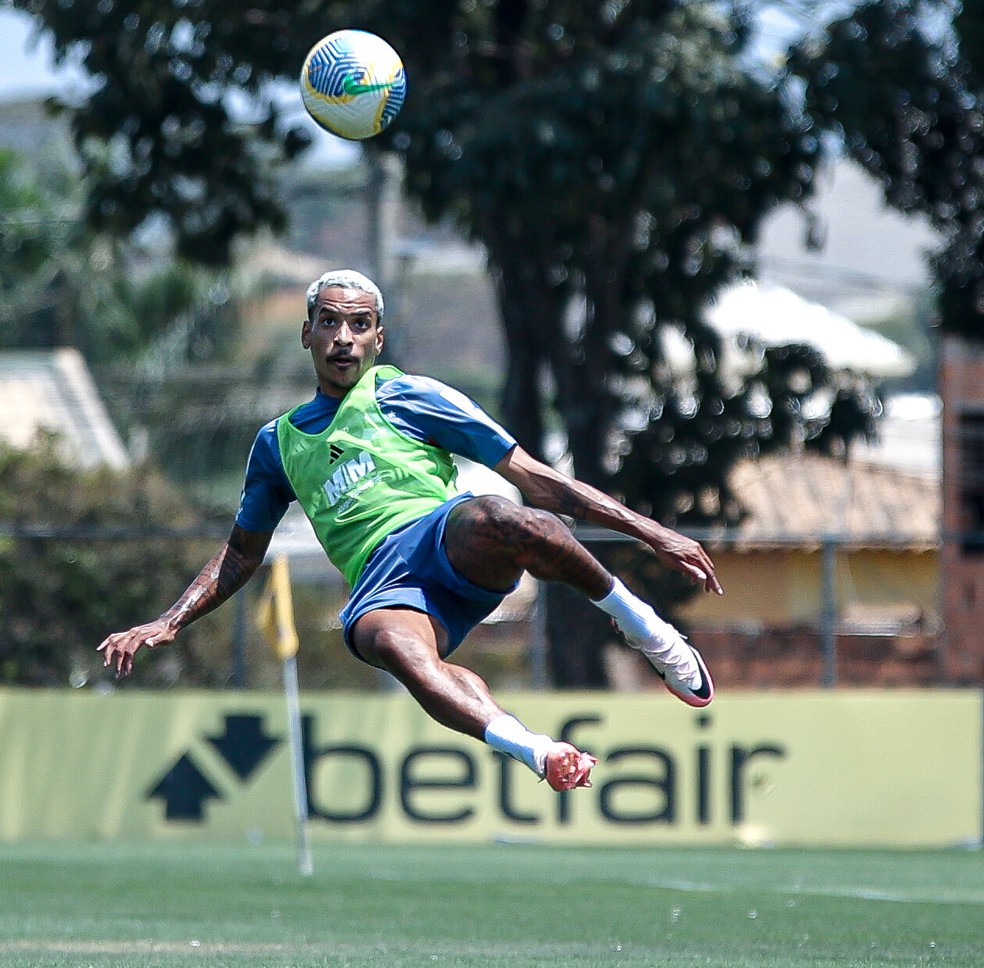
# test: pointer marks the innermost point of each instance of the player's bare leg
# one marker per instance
(491, 541)
(409, 645)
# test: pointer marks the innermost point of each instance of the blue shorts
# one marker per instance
(410, 569)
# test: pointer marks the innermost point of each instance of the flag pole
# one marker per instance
(292, 692)
(275, 616)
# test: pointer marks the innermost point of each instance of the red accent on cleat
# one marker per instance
(568, 768)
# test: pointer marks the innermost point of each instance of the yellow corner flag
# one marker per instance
(275, 613)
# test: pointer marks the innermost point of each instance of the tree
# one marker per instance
(36, 233)
(61, 594)
(183, 124)
(902, 89)
(612, 160)
(63, 283)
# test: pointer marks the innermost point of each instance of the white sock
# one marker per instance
(508, 735)
(647, 632)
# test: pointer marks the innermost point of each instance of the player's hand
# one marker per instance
(119, 648)
(688, 556)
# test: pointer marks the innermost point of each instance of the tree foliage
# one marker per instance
(64, 283)
(614, 160)
(61, 594)
(904, 90)
(157, 136)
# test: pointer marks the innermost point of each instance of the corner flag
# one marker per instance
(275, 613)
(275, 617)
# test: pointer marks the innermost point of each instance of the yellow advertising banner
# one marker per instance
(894, 768)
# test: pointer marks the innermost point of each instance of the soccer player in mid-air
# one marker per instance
(370, 461)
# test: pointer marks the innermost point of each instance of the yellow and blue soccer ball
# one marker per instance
(353, 84)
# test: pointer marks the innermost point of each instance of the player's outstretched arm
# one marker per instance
(228, 570)
(548, 489)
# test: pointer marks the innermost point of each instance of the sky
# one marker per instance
(27, 66)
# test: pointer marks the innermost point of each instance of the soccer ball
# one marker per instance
(353, 83)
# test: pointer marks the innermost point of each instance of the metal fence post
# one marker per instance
(538, 640)
(828, 610)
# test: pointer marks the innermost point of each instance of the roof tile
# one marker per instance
(803, 498)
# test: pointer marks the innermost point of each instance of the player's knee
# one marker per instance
(526, 531)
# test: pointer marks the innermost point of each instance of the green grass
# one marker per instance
(116, 906)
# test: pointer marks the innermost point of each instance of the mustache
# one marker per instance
(340, 355)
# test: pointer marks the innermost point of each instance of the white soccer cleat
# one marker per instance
(677, 663)
(695, 690)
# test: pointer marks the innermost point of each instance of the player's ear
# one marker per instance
(306, 334)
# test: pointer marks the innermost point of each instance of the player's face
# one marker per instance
(344, 337)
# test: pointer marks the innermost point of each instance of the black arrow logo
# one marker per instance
(244, 745)
(184, 790)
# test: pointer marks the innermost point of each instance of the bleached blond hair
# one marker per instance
(346, 279)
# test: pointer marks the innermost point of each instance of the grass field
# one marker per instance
(114, 906)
